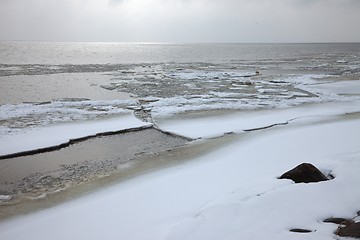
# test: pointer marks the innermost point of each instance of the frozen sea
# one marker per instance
(43, 84)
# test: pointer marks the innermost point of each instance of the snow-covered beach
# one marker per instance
(179, 150)
(230, 193)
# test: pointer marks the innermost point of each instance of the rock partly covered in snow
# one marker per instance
(350, 230)
(347, 227)
(304, 173)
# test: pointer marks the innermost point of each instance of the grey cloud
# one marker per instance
(115, 2)
(180, 20)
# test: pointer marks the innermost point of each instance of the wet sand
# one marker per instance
(45, 172)
(43, 180)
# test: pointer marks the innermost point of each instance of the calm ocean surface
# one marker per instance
(117, 53)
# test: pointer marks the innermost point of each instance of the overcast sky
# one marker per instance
(181, 20)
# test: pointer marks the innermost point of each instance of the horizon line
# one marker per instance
(170, 43)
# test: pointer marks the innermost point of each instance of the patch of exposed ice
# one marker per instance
(15, 117)
(4, 198)
(282, 93)
(188, 75)
(342, 61)
(341, 87)
(306, 79)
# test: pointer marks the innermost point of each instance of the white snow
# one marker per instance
(230, 193)
(188, 75)
(42, 137)
(207, 127)
(342, 87)
(344, 97)
(306, 79)
(5, 198)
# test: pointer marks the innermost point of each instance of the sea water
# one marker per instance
(48, 83)
(49, 53)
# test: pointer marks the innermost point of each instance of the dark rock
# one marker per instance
(342, 221)
(299, 230)
(351, 230)
(304, 173)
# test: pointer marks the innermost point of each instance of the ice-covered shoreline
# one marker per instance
(36, 125)
(54, 138)
(53, 125)
(218, 194)
(39, 95)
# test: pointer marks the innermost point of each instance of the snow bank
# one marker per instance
(342, 87)
(207, 127)
(43, 137)
(230, 193)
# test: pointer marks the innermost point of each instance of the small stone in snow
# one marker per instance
(304, 173)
